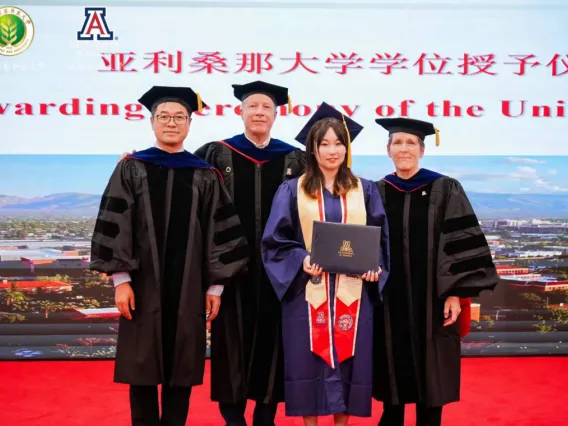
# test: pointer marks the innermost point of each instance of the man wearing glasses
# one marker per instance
(168, 233)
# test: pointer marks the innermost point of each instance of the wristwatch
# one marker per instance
(315, 280)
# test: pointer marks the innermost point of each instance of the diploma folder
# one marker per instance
(343, 248)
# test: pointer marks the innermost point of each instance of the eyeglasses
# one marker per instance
(165, 119)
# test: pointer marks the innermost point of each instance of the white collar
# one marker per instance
(259, 146)
(181, 150)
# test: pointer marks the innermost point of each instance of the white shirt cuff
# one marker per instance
(120, 278)
(215, 290)
(124, 277)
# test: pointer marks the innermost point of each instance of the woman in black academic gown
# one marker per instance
(438, 255)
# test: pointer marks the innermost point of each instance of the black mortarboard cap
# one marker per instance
(409, 125)
(327, 111)
(184, 94)
(278, 94)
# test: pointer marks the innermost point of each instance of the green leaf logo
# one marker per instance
(8, 32)
(16, 31)
(12, 30)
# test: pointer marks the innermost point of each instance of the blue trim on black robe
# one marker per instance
(275, 149)
(174, 160)
(420, 179)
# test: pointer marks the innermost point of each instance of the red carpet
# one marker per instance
(496, 392)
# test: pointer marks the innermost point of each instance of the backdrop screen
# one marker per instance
(492, 77)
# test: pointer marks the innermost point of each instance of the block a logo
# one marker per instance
(95, 26)
(16, 31)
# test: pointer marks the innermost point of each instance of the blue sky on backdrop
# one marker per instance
(38, 175)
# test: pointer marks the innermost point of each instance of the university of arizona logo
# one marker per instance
(345, 322)
(321, 318)
(95, 26)
(345, 250)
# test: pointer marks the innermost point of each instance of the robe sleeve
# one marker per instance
(282, 254)
(226, 249)
(376, 216)
(302, 162)
(465, 266)
(203, 152)
(112, 242)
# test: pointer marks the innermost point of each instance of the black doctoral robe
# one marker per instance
(168, 221)
(437, 250)
(246, 338)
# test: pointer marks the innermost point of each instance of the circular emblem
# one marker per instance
(228, 170)
(315, 280)
(345, 322)
(16, 31)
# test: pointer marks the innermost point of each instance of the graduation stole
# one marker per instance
(348, 289)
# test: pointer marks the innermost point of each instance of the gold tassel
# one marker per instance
(289, 105)
(437, 136)
(348, 142)
(199, 103)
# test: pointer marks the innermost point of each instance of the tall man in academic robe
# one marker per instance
(327, 317)
(168, 233)
(246, 338)
(439, 258)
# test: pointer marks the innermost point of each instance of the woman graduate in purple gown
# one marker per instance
(327, 319)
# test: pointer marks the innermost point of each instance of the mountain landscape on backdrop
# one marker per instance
(486, 205)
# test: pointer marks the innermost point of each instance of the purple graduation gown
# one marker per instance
(312, 388)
